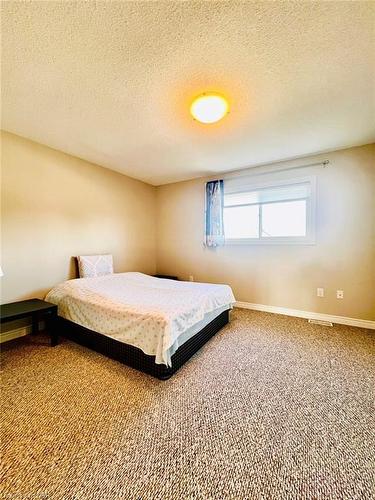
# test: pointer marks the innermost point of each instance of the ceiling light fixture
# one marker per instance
(209, 107)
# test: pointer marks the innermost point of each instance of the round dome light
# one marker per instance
(209, 107)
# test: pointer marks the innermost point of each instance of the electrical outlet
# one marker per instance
(339, 294)
(191, 278)
(320, 292)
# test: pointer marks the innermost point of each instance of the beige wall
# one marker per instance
(55, 206)
(282, 275)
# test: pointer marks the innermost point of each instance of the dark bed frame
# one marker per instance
(134, 357)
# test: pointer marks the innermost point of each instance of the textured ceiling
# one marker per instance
(111, 82)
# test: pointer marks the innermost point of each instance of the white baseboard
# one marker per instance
(342, 320)
(14, 334)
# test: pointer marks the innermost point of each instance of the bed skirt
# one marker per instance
(134, 357)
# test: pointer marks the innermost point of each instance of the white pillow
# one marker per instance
(90, 266)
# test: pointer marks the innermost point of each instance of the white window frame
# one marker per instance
(248, 186)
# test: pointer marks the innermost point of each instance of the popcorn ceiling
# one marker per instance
(111, 82)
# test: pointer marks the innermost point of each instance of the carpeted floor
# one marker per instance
(270, 408)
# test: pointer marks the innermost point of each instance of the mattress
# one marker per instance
(156, 315)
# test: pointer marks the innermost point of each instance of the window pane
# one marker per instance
(284, 219)
(241, 222)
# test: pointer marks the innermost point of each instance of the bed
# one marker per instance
(154, 325)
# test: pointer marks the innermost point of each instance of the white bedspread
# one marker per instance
(146, 312)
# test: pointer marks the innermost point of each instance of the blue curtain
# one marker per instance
(214, 213)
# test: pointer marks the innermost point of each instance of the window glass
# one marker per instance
(241, 222)
(272, 213)
(284, 219)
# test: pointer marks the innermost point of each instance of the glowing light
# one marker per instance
(209, 107)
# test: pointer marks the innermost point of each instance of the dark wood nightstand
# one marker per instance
(36, 309)
(166, 277)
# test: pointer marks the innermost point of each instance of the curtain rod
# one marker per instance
(323, 163)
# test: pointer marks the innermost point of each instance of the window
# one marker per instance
(281, 212)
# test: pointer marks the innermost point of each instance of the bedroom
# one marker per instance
(105, 152)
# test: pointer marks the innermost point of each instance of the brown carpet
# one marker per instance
(270, 408)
